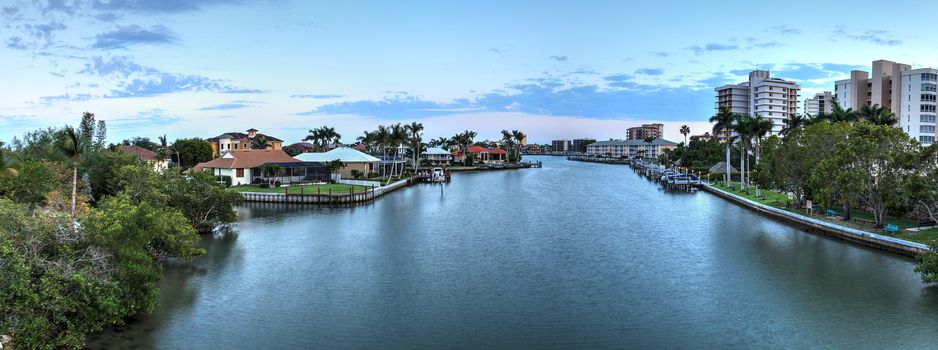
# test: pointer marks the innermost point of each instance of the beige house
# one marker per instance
(147, 156)
(353, 159)
(237, 141)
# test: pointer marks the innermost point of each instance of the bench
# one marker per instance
(891, 229)
(831, 213)
(864, 221)
(928, 223)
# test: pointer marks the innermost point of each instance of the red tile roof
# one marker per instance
(247, 159)
(139, 152)
(480, 149)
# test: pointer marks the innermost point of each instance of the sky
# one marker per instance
(553, 69)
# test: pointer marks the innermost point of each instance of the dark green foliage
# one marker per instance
(224, 179)
(35, 179)
(358, 174)
(189, 152)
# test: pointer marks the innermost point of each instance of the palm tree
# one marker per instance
(383, 138)
(69, 143)
(877, 115)
(521, 138)
(684, 131)
(743, 128)
(795, 121)
(723, 123)
(838, 114)
(415, 141)
(760, 127)
(440, 142)
(509, 140)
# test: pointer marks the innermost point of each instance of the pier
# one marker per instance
(669, 178)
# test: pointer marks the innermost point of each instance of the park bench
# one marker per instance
(891, 229)
(927, 223)
(831, 213)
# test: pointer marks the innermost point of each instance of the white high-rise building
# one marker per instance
(917, 112)
(820, 103)
(772, 98)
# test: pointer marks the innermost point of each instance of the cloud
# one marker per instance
(765, 45)
(66, 97)
(16, 43)
(229, 106)
(9, 10)
(60, 6)
(134, 34)
(166, 83)
(558, 58)
(650, 71)
(617, 97)
(144, 120)
(699, 50)
(877, 37)
(785, 30)
(159, 6)
(497, 51)
(318, 97)
(115, 65)
(659, 54)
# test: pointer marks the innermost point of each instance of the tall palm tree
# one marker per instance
(839, 114)
(723, 123)
(383, 139)
(685, 130)
(415, 141)
(509, 140)
(398, 137)
(69, 143)
(520, 137)
(760, 127)
(795, 121)
(743, 129)
(441, 142)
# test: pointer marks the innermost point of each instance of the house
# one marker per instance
(488, 155)
(437, 156)
(233, 141)
(301, 147)
(243, 166)
(353, 159)
(630, 148)
(145, 155)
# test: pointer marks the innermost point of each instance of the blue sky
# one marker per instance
(553, 69)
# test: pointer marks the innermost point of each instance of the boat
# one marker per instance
(437, 175)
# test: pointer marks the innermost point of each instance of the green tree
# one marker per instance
(190, 152)
(877, 115)
(35, 180)
(204, 202)
(271, 172)
(69, 143)
(415, 141)
(685, 130)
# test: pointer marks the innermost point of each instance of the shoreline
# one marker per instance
(869, 239)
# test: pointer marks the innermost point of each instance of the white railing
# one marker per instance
(358, 182)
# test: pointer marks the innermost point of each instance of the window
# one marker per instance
(926, 139)
(928, 98)
(926, 129)
(239, 172)
(929, 77)
(927, 118)
(928, 87)
(927, 108)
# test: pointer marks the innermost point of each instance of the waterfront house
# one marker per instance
(353, 159)
(146, 156)
(630, 148)
(437, 156)
(488, 155)
(234, 141)
(243, 166)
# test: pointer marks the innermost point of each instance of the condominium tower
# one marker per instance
(864, 89)
(820, 103)
(646, 131)
(772, 98)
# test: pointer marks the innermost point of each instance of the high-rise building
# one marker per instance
(561, 146)
(646, 131)
(772, 98)
(864, 89)
(820, 103)
(908, 93)
(579, 145)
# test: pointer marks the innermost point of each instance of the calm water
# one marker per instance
(574, 255)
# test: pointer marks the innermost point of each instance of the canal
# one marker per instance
(573, 255)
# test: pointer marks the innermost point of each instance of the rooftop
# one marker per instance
(139, 152)
(345, 154)
(238, 159)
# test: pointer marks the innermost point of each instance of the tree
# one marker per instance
(744, 131)
(760, 127)
(334, 165)
(69, 143)
(877, 115)
(441, 142)
(874, 162)
(685, 130)
(190, 152)
(204, 202)
(259, 142)
(323, 137)
(35, 180)
(142, 142)
(272, 172)
(86, 130)
(415, 141)
(509, 141)
(838, 114)
(521, 138)
(100, 136)
(723, 123)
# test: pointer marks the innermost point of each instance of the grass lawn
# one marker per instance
(780, 200)
(310, 189)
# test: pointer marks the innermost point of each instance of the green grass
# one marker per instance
(780, 200)
(337, 189)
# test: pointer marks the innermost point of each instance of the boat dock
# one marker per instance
(669, 178)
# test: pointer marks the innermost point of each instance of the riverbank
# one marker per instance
(854, 235)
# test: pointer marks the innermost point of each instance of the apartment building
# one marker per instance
(865, 89)
(630, 148)
(820, 103)
(917, 100)
(561, 145)
(579, 145)
(772, 98)
(646, 131)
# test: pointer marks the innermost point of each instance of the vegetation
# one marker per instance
(79, 250)
(322, 138)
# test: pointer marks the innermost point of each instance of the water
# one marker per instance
(573, 255)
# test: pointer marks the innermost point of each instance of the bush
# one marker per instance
(357, 173)
(277, 183)
(225, 178)
(373, 174)
(257, 181)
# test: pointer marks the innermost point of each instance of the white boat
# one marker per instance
(437, 175)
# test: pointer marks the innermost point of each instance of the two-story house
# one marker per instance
(233, 141)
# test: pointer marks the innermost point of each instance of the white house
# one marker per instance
(438, 156)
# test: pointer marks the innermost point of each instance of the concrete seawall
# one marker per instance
(360, 197)
(870, 239)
